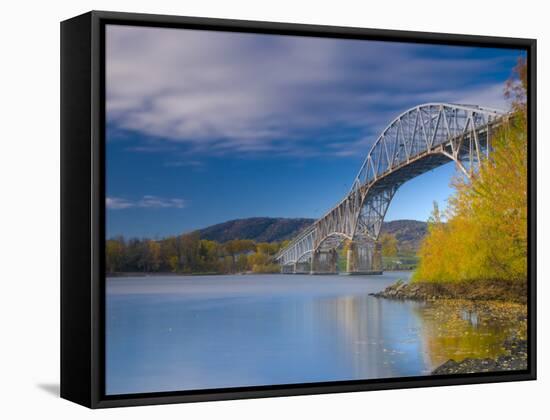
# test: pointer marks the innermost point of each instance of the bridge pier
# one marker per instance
(287, 269)
(364, 257)
(324, 262)
(302, 267)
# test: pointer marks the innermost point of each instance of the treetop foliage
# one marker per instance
(188, 253)
(485, 233)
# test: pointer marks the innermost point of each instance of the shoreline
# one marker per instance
(242, 273)
(488, 290)
(151, 274)
(489, 304)
(165, 274)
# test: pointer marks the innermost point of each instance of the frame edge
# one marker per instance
(76, 247)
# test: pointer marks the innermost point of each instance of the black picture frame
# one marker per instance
(83, 209)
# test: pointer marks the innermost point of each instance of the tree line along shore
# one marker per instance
(189, 254)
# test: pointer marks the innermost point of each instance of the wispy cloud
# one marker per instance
(148, 148)
(183, 163)
(117, 203)
(221, 93)
(147, 201)
(151, 201)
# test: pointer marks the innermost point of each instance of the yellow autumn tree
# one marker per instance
(389, 245)
(485, 234)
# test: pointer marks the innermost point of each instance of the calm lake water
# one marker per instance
(170, 333)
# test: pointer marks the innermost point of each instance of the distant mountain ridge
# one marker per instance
(259, 229)
(409, 233)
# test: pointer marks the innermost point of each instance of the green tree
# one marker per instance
(242, 263)
(237, 247)
(189, 252)
(173, 263)
(210, 253)
(153, 250)
(114, 255)
(389, 245)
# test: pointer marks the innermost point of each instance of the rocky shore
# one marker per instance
(498, 290)
(516, 359)
(490, 304)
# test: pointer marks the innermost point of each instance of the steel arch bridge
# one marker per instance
(418, 140)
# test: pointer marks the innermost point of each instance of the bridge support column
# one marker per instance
(302, 267)
(287, 269)
(364, 258)
(324, 262)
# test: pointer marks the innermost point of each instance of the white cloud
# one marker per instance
(147, 201)
(491, 96)
(151, 201)
(222, 92)
(117, 203)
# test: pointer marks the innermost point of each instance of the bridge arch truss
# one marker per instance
(418, 140)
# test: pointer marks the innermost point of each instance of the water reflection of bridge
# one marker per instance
(418, 140)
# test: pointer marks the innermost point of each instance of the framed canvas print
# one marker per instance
(255, 209)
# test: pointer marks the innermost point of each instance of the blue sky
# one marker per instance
(205, 127)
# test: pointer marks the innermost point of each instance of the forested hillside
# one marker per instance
(259, 229)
